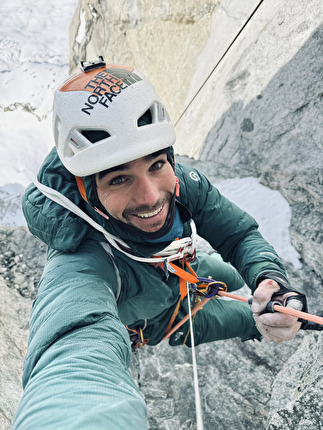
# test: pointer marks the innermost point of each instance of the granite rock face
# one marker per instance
(14, 317)
(242, 385)
(278, 136)
(22, 259)
(142, 34)
(296, 398)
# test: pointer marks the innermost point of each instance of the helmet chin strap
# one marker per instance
(81, 187)
(177, 186)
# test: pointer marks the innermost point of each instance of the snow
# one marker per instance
(81, 31)
(34, 56)
(269, 208)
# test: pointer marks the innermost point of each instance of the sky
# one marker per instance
(34, 56)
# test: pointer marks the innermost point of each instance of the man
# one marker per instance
(118, 216)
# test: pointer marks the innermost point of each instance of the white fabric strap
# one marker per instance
(176, 250)
(108, 250)
(59, 198)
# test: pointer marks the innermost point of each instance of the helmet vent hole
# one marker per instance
(145, 119)
(95, 135)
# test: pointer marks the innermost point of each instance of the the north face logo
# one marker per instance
(107, 84)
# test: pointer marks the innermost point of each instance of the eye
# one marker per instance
(118, 180)
(157, 165)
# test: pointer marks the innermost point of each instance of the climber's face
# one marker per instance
(138, 193)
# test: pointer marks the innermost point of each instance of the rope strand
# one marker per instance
(198, 408)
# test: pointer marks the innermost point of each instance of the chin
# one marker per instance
(150, 229)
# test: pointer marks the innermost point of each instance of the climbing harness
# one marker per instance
(204, 289)
(189, 281)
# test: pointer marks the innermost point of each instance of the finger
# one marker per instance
(294, 303)
(266, 332)
(273, 333)
(277, 320)
(278, 334)
(277, 327)
(263, 295)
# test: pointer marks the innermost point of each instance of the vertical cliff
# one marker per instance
(242, 83)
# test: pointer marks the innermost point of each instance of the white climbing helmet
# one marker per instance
(108, 115)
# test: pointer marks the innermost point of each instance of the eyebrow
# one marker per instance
(126, 166)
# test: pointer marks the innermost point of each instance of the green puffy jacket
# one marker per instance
(76, 369)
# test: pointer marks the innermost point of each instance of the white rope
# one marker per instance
(198, 408)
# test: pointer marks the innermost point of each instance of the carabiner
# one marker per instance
(212, 287)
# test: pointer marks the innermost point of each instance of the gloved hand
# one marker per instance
(275, 327)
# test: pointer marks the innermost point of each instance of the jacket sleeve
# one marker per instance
(76, 370)
(230, 231)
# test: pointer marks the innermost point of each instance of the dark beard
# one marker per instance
(151, 235)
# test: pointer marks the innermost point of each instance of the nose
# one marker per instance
(146, 191)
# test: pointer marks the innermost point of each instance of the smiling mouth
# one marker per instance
(150, 214)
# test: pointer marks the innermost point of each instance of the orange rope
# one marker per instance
(192, 278)
(278, 308)
(171, 321)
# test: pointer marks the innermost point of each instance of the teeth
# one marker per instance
(150, 214)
